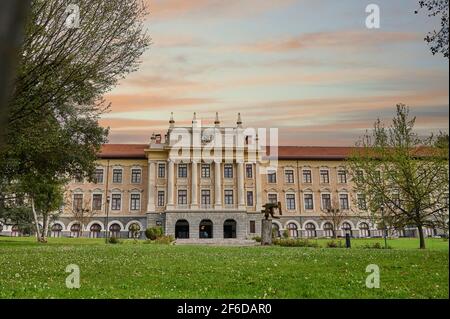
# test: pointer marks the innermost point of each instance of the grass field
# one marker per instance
(137, 270)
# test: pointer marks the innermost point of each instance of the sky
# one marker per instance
(310, 68)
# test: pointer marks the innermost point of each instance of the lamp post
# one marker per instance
(107, 203)
(384, 226)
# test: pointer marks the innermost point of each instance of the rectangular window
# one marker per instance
(309, 204)
(161, 199)
(116, 201)
(228, 171)
(326, 201)
(206, 171)
(182, 170)
(272, 198)
(77, 202)
(97, 202)
(249, 198)
(324, 176)
(290, 201)
(117, 175)
(99, 176)
(228, 197)
(135, 202)
(307, 176)
(272, 177)
(135, 176)
(343, 200)
(249, 170)
(342, 176)
(362, 205)
(289, 176)
(182, 197)
(206, 197)
(252, 226)
(161, 170)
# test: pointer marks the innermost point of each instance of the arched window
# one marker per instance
(275, 230)
(347, 228)
(56, 230)
(134, 230)
(15, 231)
(75, 230)
(229, 228)
(95, 230)
(182, 229)
(328, 230)
(293, 230)
(1, 227)
(310, 230)
(205, 229)
(364, 230)
(114, 230)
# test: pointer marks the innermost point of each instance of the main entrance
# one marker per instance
(229, 228)
(205, 229)
(182, 229)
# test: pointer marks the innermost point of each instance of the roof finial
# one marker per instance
(171, 122)
(217, 122)
(239, 120)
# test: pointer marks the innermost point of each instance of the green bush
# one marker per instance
(153, 233)
(163, 240)
(376, 245)
(257, 239)
(285, 233)
(113, 240)
(295, 243)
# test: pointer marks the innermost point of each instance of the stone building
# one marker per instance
(211, 182)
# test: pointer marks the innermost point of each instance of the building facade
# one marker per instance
(211, 182)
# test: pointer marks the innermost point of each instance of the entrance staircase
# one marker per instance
(216, 242)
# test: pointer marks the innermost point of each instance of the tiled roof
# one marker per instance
(284, 152)
(123, 151)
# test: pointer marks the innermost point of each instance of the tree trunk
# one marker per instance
(266, 232)
(45, 228)
(36, 221)
(421, 237)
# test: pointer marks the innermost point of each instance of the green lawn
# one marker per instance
(128, 270)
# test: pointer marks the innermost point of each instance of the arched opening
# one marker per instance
(205, 229)
(75, 230)
(115, 230)
(229, 228)
(95, 230)
(364, 230)
(134, 230)
(293, 230)
(182, 229)
(310, 230)
(276, 231)
(328, 230)
(347, 228)
(55, 231)
(1, 227)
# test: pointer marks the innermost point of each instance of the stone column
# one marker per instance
(170, 184)
(194, 203)
(217, 185)
(151, 186)
(240, 188)
(258, 188)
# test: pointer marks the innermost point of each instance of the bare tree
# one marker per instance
(334, 215)
(83, 213)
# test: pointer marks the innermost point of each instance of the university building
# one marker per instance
(195, 187)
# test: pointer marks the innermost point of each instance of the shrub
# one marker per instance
(153, 233)
(375, 246)
(257, 239)
(113, 240)
(295, 243)
(165, 240)
(285, 233)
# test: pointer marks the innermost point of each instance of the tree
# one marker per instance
(64, 70)
(83, 214)
(334, 215)
(437, 39)
(406, 175)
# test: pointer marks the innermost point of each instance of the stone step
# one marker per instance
(216, 242)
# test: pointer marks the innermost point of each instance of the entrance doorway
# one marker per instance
(229, 228)
(205, 229)
(182, 229)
